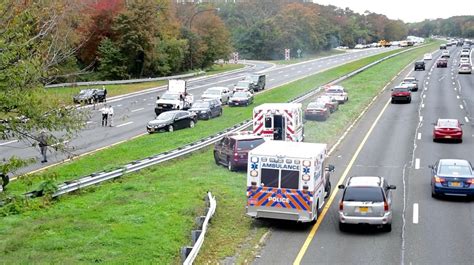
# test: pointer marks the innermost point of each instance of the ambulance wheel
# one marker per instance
(229, 165)
(170, 128)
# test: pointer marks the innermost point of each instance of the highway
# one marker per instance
(133, 111)
(394, 141)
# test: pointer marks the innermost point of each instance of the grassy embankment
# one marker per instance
(66, 93)
(146, 217)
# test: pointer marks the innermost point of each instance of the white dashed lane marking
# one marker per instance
(419, 136)
(124, 124)
(417, 163)
(135, 110)
(466, 119)
(415, 213)
(461, 106)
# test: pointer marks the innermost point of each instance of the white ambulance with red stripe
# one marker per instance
(287, 180)
(279, 121)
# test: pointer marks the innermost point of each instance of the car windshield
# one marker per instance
(364, 194)
(454, 170)
(253, 78)
(240, 95)
(165, 116)
(85, 92)
(243, 83)
(334, 90)
(212, 92)
(316, 105)
(409, 79)
(201, 104)
(249, 144)
(401, 89)
(170, 96)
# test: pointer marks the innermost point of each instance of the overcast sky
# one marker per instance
(407, 10)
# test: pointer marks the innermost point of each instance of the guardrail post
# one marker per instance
(185, 252)
(200, 221)
(195, 235)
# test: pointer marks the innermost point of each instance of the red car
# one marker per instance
(317, 111)
(401, 93)
(447, 129)
(442, 62)
(232, 151)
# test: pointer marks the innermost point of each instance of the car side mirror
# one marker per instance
(330, 168)
(461, 124)
(341, 187)
(392, 187)
(391, 89)
(158, 97)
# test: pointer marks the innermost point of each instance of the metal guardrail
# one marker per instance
(189, 254)
(130, 81)
(96, 178)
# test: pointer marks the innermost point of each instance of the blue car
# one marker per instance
(452, 177)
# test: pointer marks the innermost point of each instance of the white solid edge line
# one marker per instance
(9, 142)
(417, 163)
(124, 124)
(415, 213)
(419, 136)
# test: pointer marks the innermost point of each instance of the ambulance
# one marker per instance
(279, 121)
(287, 180)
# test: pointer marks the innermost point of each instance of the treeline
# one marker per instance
(263, 29)
(123, 39)
(460, 26)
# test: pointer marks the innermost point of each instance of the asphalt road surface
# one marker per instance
(400, 148)
(132, 112)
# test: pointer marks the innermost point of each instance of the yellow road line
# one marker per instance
(315, 227)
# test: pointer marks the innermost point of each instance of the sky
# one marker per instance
(407, 10)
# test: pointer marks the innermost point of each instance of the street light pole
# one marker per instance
(190, 25)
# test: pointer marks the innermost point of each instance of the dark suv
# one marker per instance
(257, 82)
(232, 151)
(420, 65)
(207, 108)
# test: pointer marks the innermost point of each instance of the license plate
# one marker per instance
(447, 136)
(236, 103)
(363, 209)
(455, 184)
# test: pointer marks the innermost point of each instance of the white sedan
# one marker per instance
(427, 56)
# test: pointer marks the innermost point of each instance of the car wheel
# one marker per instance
(229, 165)
(342, 227)
(216, 158)
(393, 101)
(191, 123)
(170, 128)
(387, 228)
(409, 100)
(220, 113)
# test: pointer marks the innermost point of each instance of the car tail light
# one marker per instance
(439, 180)
(385, 206)
(341, 206)
(236, 154)
(470, 181)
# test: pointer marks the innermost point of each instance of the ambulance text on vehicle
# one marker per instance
(287, 180)
(279, 121)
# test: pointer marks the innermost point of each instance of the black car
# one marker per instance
(89, 96)
(420, 65)
(257, 82)
(172, 120)
(207, 108)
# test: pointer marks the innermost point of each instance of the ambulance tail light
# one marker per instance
(254, 173)
(306, 177)
(253, 185)
(305, 189)
(306, 163)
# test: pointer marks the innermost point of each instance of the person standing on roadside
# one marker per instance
(111, 115)
(43, 145)
(105, 93)
(105, 114)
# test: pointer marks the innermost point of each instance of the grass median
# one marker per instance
(146, 217)
(66, 93)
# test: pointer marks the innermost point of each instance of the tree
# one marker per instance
(32, 44)
(112, 61)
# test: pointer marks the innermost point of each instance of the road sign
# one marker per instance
(287, 54)
(236, 57)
